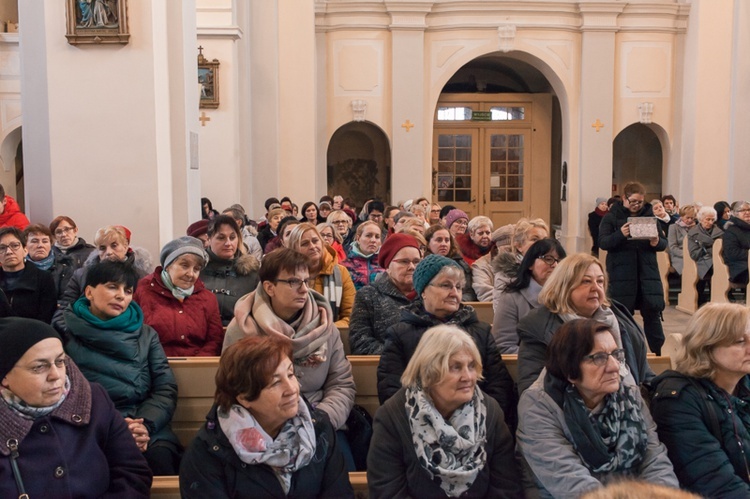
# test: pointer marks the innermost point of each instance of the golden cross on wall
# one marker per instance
(203, 118)
(598, 125)
(408, 125)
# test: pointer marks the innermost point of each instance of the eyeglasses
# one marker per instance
(62, 230)
(600, 359)
(337, 222)
(295, 283)
(12, 246)
(635, 202)
(327, 236)
(462, 222)
(549, 260)
(434, 211)
(406, 261)
(448, 287)
(744, 210)
(44, 367)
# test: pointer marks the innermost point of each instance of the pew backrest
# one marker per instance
(484, 310)
(687, 301)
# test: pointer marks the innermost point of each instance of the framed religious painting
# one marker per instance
(97, 21)
(208, 81)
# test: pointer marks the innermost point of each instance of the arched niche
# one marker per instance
(638, 155)
(359, 163)
(11, 159)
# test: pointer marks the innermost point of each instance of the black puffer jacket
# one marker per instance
(34, 295)
(211, 468)
(704, 464)
(736, 242)
(631, 263)
(230, 280)
(402, 340)
(67, 262)
(536, 329)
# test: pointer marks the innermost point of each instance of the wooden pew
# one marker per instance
(345, 339)
(483, 309)
(720, 279)
(688, 300)
(662, 259)
(671, 346)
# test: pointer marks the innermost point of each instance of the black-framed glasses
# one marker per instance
(62, 230)
(635, 202)
(600, 359)
(549, 260)
(448, 286)
(295, 283)
(12, 246)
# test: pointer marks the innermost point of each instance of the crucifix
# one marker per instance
(408, 125)
(598, 125)
(200, 50)
(203, 118)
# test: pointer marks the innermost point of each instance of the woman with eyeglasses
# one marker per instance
(522, 293)
(576, 290)
(378, 306)
(736, 240)
(439, 282)
(68, 243)
(583, 423)
(343, 225)
(332, 238)
(284, 304)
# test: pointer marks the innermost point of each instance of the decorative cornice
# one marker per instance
(228, 32)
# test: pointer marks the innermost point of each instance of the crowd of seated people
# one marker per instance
(270, 298)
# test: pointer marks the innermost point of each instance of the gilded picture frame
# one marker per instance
(97, 21)
(208, 79)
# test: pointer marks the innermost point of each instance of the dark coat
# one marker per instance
(82, 449)
(376, 308)
(132, 368)
(264, 236)
(403, 338)
(703, 464)
(34, 296)
(211, 468)
(595, 219)
(187, 328)
(700, 244)
(67, 262)
(393, 470)
(78, 253)
(631, 263)
(536, 329)
(736, 242)
(230, 280)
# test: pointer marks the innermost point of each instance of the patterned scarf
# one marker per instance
(28, 412)
(292, 449)
(453, 452)
(177, 292)
(44, 263)
(611, 440)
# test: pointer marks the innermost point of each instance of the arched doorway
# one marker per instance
(11, 173)
(637, 156)
(497, 141)
(359, 163)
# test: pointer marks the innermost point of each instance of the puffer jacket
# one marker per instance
(376, 308)
(79, 252)
(187, 328)
(704, 463)
(402, 341)
(34, 295)
(631, 263)
(736, 243)
(535, 331)
(67, 262)
(211, 468)
(230, 280)
(343, 310)
(362, 269)
(132, 367)
(505, 265)
(12, 215)
(700, 245)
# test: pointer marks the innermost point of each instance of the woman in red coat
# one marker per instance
(178, 306)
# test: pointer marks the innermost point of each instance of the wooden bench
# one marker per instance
(662, 259)
(484, 310)
(687, 301)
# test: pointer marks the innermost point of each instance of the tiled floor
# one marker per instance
(674, 320)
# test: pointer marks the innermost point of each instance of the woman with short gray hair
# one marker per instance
(737, 242)
(700, 244)
(477, 240)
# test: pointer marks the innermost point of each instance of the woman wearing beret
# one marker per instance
(61, 436)
(177, 304)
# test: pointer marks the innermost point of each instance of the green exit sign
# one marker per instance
(481, 116)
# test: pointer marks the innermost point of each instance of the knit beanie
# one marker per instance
(17, 336)
(198, 228)
(427, 269)
(454, 215)
(182, 246)
(503, 235)
(600, 201)
(392, 245)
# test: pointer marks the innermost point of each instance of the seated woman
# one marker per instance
(177, 304)
(581, 424)
(268, 231)
(482, 271)
(700, 244)
(285, 227)
(39, 242)
(331, 279)
(332, 238)
(438, 282)
(284, 305)
(52, 416)
(362, 260)
(456, 221)
(576, 289)
(310, 213)
(701, 408)
(440, 435)
(378, 306)
(105, 335)
(228, 274)
(477, 240)
(723, 213)
(30, 290)
(441, 242)
(677, 234)
(343, 224)
(261, 438)
(522, 294)
(736, 240)
(68, 243)
(507, 263)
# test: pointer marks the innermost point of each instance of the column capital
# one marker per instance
(409, 15)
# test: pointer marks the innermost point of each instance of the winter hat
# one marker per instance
(427, 269)
(600, 201)
(126, 231)
(184, 245)
(392, 245)
(454, 215)
(503, 235)
(198, 228)
(17, 336)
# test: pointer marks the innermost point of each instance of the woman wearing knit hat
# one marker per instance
(441, 242)
(456, 221)
(439, 282)
(595, 219)
(177, 304)
(64, 437)
(378, 306)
